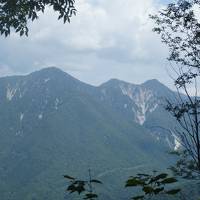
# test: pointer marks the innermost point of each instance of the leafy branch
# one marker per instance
(85, 187)
(15, 14)
(152, 185)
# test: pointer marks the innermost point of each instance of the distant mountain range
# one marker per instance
(52, 124)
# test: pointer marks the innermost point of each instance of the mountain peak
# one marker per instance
(51, 73)
(115, 83)
(152, 82)
(49, 70)
(158, 87)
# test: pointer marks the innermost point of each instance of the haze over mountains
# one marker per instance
(52, 124)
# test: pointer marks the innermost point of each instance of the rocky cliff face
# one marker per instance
(143, 104)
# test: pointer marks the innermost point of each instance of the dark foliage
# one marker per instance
(83, 186)
(152, 185)
(185, 167)
(15, 14)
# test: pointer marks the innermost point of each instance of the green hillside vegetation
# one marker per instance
(77, 133)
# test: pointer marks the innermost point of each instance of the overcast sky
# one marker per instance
(107, 39)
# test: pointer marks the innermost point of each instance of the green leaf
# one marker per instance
(134, 182)
(69, 177)
(161, 176)
(21, 32)
(80, 188)
(158, 190)
(71, 188)
(173, 191)
(148, 189)
(169, 180)
(158, 177)
(138, 197)
(146, 175)
(96, 181)
(90, 196)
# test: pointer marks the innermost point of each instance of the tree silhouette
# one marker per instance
(179, 29)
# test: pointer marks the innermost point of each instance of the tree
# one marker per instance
(179, 29)
(15, 14)
(186, 111)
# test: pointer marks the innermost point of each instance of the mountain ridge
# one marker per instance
(51, 125)
(57, 70)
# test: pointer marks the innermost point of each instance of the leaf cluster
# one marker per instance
(152, 185)
(185, 167)
(15, 14)
(85, 187)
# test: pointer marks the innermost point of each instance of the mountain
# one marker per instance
(52, 124)
(135, 101)
(145, 105)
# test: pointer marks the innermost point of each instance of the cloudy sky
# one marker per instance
(107, 39)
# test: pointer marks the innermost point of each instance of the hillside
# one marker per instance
(52, 124)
